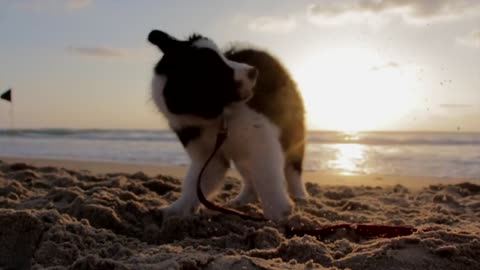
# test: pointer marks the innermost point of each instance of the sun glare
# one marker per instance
(348, 159)
(351, 89)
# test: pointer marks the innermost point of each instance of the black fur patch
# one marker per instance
(199, 82)
(188, 134)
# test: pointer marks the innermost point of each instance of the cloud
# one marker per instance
(411, 11)
(272, 24)
(390, 64)
(98, 51)
(49, 5)
(471, 39)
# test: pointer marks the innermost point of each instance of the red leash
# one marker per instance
(363, 230)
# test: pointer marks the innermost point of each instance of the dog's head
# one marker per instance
(196, 78)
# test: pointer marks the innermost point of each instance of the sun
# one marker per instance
(353, 89)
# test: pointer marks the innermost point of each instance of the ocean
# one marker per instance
(446, 155)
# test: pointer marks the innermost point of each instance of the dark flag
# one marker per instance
(7, 95)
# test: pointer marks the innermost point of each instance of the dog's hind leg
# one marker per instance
(263, 167)
(294, 147)
(293, 174)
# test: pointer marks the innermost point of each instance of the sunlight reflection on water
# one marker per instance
(348, 159)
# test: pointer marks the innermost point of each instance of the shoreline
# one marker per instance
(178, 171)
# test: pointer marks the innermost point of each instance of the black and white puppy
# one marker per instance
(195, 85)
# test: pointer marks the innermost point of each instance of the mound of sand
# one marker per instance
(62, 219)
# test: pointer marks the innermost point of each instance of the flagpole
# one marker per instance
(12, 123)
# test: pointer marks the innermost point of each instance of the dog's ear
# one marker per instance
(164, 41)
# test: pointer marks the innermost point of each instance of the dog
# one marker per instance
(196, 86)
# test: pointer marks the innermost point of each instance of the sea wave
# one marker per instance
(321, 137)
(395, 138)
(93, 134)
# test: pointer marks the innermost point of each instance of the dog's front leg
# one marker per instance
(188, 202)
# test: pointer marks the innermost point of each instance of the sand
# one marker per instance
(69, 218)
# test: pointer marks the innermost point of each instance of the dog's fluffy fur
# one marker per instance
(195, 85)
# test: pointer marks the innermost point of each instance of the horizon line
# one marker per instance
(308, 130)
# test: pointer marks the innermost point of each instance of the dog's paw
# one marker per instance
(298, 193)
(177, 210)
(302, 199)
(243, 198)
(279, 212)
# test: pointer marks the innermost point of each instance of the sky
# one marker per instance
(359, 64)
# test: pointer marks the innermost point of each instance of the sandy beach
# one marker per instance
(63, 214)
